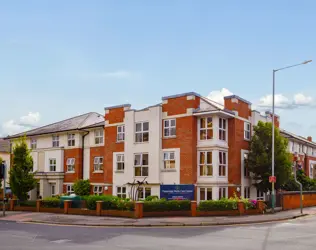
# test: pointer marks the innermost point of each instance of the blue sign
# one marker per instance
(177, 192)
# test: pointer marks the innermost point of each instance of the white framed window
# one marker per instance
(70, 165)
(205, 194)
(222, 163)
(293, 146)
(70, 189)
(98, 164)
(52, 165)
(120, 133)
(71, 140)
(144, 192)
(169, 128)
(260, 195)
(205, 163)
(120, 162)
(121, 192)
(98, 136)
(247, 129)
(169, 161)
(222, 129)
(53, 189)
(141, 164)
(33, 143)
(222, 192)
(246, 170)
(97, 190)
(55, 140)
(311, 171)
(206, 128)
(247, 192)
(305, 149)
(142, 132)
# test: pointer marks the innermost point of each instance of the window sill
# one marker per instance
(141, 142)
(140, 176)
(168, 170)
(70, 172)
(119, 171)
(120, 141)
(206, 176)
(247, 139)
(170, 137)
(97, 172)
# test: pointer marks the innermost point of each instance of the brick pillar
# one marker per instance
(12, 205)
(193, 208)
(139, 207)
(261, 206)
(67, 205)
(99, 207)
(241, 207)
(38, 205)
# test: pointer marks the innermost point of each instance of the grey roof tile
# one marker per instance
(74, 123)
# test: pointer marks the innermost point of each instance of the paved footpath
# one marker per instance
(48, 218)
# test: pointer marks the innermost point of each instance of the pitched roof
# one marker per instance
(297, 137)
(4, 146)
(74, 123)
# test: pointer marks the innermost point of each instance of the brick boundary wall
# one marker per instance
(138, 211)
(291, 200)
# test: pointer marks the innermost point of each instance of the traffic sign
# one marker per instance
(272, 179)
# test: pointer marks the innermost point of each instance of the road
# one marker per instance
(294, 234)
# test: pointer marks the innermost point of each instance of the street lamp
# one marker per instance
(296, 161)
(273, 96)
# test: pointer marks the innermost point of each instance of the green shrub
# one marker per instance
(82, 187)
(27, 203)
(123, 205)
(51, 202)
(92, 200)
(163, 205)
(218, 205)
(152, 198)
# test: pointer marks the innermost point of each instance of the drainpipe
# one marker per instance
(82, 161)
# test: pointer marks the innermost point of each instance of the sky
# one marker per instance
(59, 59)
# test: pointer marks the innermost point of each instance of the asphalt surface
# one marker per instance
(294, 234)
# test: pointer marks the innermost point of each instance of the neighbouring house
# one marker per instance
(185, 139)
(5, 156)
(63, 151)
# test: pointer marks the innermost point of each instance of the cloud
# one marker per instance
(30, 119)
(283, 102)
(218, 95)
(301, 99)
(24, 123)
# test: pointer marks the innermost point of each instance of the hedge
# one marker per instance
(163, 205)
(51, 202)
(218, 205)
(109, 202)
(26, 204)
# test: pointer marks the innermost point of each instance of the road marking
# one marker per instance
(60, 241)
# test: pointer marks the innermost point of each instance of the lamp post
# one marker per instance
(273, 97)
(296, 160)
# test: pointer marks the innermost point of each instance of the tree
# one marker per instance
(82, 187)
(22, 178)
(259, 160)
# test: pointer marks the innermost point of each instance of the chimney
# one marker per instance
(309, 138)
